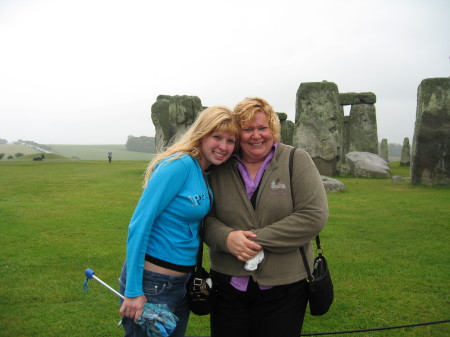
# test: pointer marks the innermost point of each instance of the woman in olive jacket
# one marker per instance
(260, 218)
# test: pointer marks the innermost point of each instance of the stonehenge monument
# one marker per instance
(318, 125)
(384, 151)
(287, 129)
(322, 129)
(430, 160)
(325, 133)
(172, 117)
(405, 158)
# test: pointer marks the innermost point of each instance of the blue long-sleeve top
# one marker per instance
(166, 220)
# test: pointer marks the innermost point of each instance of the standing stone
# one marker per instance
(287, 129)
(384, 152)
(172, 117)
(319, 123)
(362, 131)
(430, 164)
(345, 130)
(164, 130)
(406, 153)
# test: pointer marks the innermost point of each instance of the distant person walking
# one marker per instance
(109, 156)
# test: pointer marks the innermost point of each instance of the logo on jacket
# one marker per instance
(195, 199)
(277, 187)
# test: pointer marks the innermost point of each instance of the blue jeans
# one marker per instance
(160, 288)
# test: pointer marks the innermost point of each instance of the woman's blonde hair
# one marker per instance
(246, 110)
(214, 119)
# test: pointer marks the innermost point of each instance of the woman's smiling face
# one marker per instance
(256, 138)
(216, 148)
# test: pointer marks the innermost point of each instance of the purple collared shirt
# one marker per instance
(241, 282)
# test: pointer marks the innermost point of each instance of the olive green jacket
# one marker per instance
(283, 219)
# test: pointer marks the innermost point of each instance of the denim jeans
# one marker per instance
(160, 288)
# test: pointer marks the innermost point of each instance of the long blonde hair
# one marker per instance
(214, 119)
(246, 109)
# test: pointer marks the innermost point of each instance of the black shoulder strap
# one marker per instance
(302, 250)
(198, 267)
(291, 161)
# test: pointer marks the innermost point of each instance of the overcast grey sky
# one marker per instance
(88, 71)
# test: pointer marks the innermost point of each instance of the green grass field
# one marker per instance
(386, 245)
(82, 152)
(99, 152)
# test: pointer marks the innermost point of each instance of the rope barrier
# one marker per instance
(374, 329)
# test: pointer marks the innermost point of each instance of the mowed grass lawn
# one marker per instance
(387, 245)
(83, 152)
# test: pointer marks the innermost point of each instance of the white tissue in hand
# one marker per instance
(252, 264)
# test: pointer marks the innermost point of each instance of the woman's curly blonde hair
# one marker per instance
(246, 109)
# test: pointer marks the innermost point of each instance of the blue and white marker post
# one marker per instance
(156, 319)
(90, 275)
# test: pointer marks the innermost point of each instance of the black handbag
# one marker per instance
(320, 286)
(199, 285)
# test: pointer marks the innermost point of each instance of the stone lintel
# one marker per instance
(350, 98)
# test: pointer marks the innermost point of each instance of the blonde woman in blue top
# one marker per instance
(163, 235)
